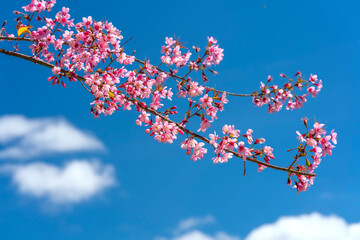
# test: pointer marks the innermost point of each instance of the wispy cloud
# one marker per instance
(187, 229)
(194, 222)
(23, 138)
(199, 235)
(310, 227)
(76, 181)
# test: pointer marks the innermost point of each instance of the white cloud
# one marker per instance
(194, 235)
(15, 126)
(310, 227)
(194, 222)
(303, 227)
(77, 181)
(225, 236)
(25, 138)
(186, 230)
(198, 235)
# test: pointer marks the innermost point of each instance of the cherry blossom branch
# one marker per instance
(143, 63)
(90, 43)
(145, 108)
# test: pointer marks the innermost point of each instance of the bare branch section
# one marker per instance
(147, 109)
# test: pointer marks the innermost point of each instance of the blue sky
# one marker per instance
(137, 188)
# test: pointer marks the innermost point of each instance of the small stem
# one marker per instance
(296, 158)
(244, 168)
(126, 41)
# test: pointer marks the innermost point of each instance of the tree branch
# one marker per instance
(154, 112)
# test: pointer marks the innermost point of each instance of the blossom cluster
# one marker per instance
(164, 131)
(275, 97)
(173, 54)
(231, 141)
(194, 148)
(320, 144)
(215, 54)
(39, 5)
(209, 107)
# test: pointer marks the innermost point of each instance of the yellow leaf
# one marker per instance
(21, 30)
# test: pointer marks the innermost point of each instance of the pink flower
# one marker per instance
(311, 142)
(313, 78)
(143, 117)
(194, 66)
(316, 150)
(312, 91)
(249, 136)
(223, 98)
(205, 124)
(206, 101)
(87, 21)
(170, 41)
(269, 152)
(56, 70)
(231, 144)
(63, 17)
(319, 85)
(155, 104)
(211, 111)
(327, 148)
(198, 151)
(300, 137)
(261, 167)
(58, 44)
(257, 101)
(211, 40)
(195, 89)
(227, 129)
(333, 137)
(276, 107)
(243, 152)
(259, 140)
(316, 159)
(50, 23)
(213, 139)
(301, 186)
(318, 129)
(222, 159)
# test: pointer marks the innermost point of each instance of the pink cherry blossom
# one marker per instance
(269, 152)
(333, 137)
(249, 136)
(56, 70)
(205, 124)
(243, 151)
